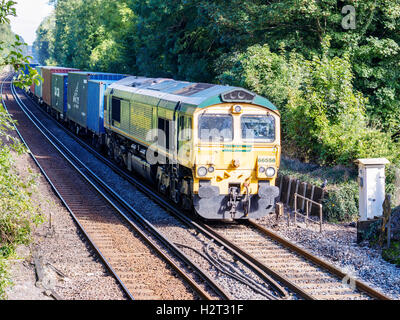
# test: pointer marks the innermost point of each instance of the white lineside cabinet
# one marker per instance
(371, 181)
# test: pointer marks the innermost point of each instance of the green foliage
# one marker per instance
(341, 199)
(4, 278)
(342, 202)
(323, 117)
(273, 75)
(392, 254)
(17, 212)
(44, 43)
(94, 34)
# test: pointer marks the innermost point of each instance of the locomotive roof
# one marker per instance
(198, 95)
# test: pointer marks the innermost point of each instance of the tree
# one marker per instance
(44, 43)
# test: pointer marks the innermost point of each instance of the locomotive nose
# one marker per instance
(236, 163)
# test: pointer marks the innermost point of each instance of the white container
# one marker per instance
(371, 181)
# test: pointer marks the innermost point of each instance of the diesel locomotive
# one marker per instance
(212, 148)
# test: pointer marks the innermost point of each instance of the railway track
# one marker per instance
(307, 276)
(264, 285)
(317, 278)
(116, 239)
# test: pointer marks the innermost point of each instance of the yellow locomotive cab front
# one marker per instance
(237, 156)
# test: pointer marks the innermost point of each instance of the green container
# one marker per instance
(39, 88)
(59, 92)
(78, 93)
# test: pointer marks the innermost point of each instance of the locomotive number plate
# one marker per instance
(266, 160)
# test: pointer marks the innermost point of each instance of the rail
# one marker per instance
(119, 205)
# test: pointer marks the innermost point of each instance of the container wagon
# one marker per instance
(77, 97)
(47, 82)
(95, 108)
(59, 84)
(31, 89)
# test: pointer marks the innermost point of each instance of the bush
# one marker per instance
(342, 196)
(323, 117)
(4, 278)
(342, 200)
(17, 212)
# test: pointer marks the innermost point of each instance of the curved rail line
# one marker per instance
(255, 261)
(260, 268)
(277, 288)
(340, 275)
(261, 273)
(92, 180)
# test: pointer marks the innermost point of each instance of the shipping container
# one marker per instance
(47, 81)
(78, 93)
(38, 87)
(26, 72)
(32, 88)
(59, 85)
(95, 105)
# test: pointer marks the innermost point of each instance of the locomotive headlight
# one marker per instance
(237, 109)
(202, 171)
(261, 170)
(270, 172)
(211, 169)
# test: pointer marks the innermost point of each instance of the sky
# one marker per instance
(30, 13)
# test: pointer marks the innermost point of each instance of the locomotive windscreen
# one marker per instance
(258, 128)
(216, 128)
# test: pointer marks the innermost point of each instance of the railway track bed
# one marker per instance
(337, 245)
(317, 281)
(230, 282)
(140, 270)
(277, 259)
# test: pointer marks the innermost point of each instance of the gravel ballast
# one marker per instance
(337, 244)
(70, 267)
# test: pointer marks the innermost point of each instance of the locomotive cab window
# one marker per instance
(258, 128)
(216, 128)
(185, 128)
(105, 102)
(116, 112)
(165, 127)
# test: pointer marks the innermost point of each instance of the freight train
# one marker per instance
(210, 148)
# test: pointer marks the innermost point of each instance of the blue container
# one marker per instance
(95, 105)
(77, 111)
(32, 65)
